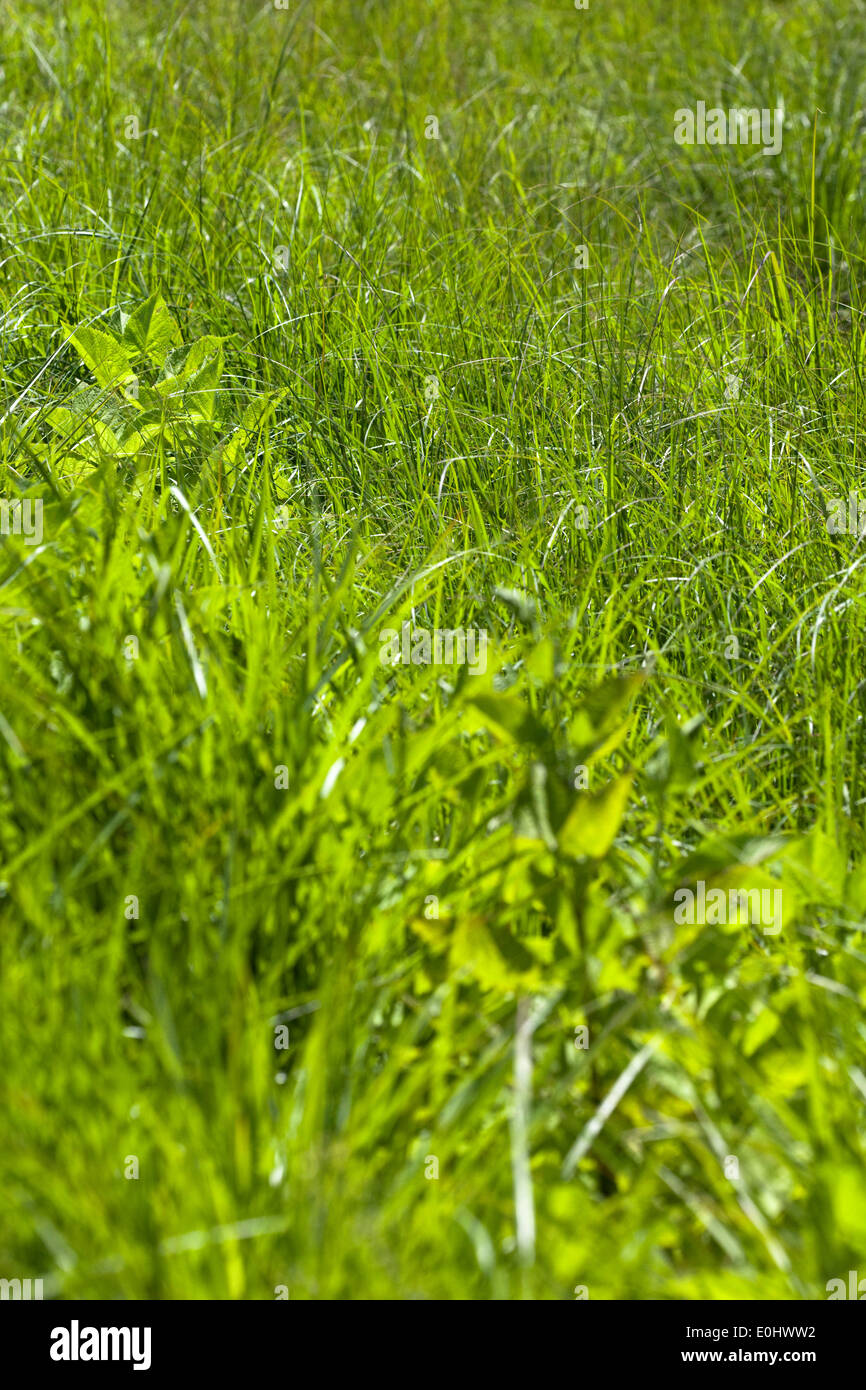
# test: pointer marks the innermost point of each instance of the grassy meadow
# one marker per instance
(326, 978)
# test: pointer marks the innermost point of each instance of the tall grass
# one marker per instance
(296, 948)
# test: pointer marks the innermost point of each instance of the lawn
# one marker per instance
(338, 959)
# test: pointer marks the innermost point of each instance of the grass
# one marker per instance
(296, 948)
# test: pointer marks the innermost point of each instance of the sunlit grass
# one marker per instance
(302, 940)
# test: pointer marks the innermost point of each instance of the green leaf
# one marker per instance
(849, 1203)
(205, 368)
(591, 825)
(532, 814)
(102, 354)
(252, 420)
(495, 958)
(87, 404)
(541, 662)
(509, 718)
(759, 1031)
(68, 422)
(600, 720)
(151, 330)
(719, 852)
